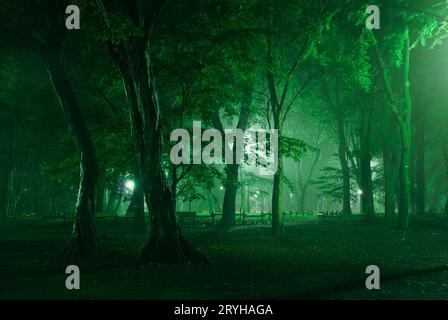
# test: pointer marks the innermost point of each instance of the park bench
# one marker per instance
(297, 214)
(186, 217)
(254, 218)
(330, 215)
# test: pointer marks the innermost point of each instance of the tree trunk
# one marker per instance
(16, 184)
(302, 197)
(6, 164)
(228, 206)
(111, 202)
(5, 178)
(390, 180)
(420, 160)
(405, 134)
(137, 206)
(302, 186)
(342, 152)
(445, 156)
(229, 203)
(277, 188)
(99, 202)
(84, 238)
(367, 204)
(166, 243)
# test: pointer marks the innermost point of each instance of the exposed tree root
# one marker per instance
(174, 251)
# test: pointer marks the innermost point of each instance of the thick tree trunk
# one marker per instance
(231, 188)
(166, 243)
(111, 202)
(137, 206)
(229, 202)
(99, 202)
(84, 238)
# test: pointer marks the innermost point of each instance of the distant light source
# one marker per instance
(221, 188)
(255, 195)
(130, 185)
(359, 192)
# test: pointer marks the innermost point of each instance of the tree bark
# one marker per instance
(342, 153)
(84, 235)
(84, 238)
(302, 185)
(99, 202)
(229, 203)
(166, 243)
(419, 135)
(277, 188)
(6, 160)
(137, 206)
(405, 134)
(367, 204)
(445, 156)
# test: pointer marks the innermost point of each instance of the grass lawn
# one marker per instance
(315, 260)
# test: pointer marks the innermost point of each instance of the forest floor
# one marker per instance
(315, 260)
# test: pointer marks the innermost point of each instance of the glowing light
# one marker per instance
(221, 188)
(130, 185)
(359, 192)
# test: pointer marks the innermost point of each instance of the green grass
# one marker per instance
(315, 260)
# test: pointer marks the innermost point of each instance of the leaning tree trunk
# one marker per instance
(84, 238)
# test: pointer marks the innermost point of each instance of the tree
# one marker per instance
(425, 24)
(84, 238)
(280, 79)
(166, 243)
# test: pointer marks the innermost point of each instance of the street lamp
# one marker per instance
(129, 185)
